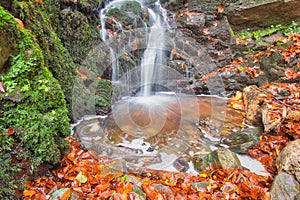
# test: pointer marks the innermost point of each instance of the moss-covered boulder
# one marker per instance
(33, 112)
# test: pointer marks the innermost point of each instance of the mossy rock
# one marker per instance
(132, 6)
(120, 16)
(221, 157)
(33, 106)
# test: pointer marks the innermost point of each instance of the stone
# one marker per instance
(163, 188)
(250, 14)
(7, 48)
(252, 102)
(243, 140)
(181, 164)
(289, 159)
(222, 157)
(284, 187)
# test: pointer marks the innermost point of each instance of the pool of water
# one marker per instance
(155, 131)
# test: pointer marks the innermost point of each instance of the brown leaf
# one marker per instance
(2, 88)
(135, 46)
(10, 131)
(82, 74)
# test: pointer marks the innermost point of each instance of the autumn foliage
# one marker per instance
(80, 176)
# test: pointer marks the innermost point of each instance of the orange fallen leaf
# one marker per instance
(135, 46)
(39, 1)
(220, 9)
(10, 131)
(145, 15)
(82, 74)
(29, 193)
(20, 23)
(183, 65)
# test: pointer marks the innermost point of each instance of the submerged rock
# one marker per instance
(289, 160)
(222, 157)
(285, 187)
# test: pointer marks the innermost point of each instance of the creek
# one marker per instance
(157, 121)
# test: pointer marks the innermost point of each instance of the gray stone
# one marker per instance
(289, 159)
(284, 187)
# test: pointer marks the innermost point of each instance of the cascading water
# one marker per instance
(154, 25)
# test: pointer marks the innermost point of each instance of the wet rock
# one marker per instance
(199, 186)
(138, 192)
(285, 187)
(289, 159)
(262, 13)
(114, 167)
(181, 164)
(162, 188)
(7, 48)
(195, 22)
(242, 141)
(222, 157)
(252, 102)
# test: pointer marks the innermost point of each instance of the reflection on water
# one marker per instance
(154, 131)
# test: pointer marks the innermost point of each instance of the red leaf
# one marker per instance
(2, 88)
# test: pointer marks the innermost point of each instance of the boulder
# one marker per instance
(221, 157)
(289, 160)
(250, 13)
(284, 187)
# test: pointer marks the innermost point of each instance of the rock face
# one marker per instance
(284, 187)
(263, 13)
(289, 160)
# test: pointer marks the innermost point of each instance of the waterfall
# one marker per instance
(154, 25)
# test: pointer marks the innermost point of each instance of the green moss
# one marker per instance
(103, 94)
(120, 16)
(34, 104)
(42, 25)
(258, 35)
(7, 185)
(133, 6)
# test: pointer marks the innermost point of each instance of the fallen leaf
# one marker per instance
(10, 131)
(82, 178)
(205, 31)
(39, 1)
(221, 9)
(2, 88)
(82, 74)
(29, 193)
(135, 46)
(20, 23)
